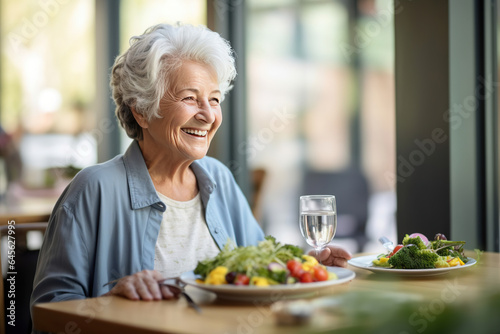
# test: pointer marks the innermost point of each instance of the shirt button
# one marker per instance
(210, 189)
(216, 230)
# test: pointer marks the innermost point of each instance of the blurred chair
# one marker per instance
(25, 266)
(258, 176)
(351, 191)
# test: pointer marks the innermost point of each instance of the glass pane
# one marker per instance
(311, 84)
(47, 114)
(280, 43)
(138, 15)
(325, 28)
(47, 91)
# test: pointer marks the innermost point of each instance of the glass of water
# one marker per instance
(318, 220)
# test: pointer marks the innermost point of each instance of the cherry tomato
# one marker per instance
(241, 279)
(395, 250)
(320, 273)
(295, 268)
(306, 277)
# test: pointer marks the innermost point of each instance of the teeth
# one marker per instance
(196, 132)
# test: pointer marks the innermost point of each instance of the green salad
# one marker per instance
(268, 263)
(417, 252)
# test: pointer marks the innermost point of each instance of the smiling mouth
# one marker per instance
(197, 133)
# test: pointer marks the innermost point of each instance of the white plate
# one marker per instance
(270, 293)
(365, 262)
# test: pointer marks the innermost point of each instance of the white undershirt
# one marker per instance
(184, 238)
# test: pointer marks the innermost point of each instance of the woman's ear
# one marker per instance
(139, 118)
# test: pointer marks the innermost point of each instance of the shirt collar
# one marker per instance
(141, 188)
(206, 182)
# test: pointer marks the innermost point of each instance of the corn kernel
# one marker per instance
(454, 262)
(217, 276)
(259, 281)
(310, 260)
(307, 267)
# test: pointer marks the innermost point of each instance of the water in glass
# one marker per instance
(318, 227)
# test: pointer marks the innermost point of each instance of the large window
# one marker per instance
(321, 111)
(138, 15)
(48, 107)
(47, 88)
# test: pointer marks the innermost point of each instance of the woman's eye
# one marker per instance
(215, 101)
(189, 98)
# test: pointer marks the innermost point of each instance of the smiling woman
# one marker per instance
(158, 209)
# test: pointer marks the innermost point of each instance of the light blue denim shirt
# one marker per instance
(106, 223)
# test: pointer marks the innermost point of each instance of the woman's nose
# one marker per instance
(205, 112)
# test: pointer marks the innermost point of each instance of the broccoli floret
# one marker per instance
(413, 258)
(414, 241)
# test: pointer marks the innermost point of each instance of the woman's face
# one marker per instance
(190, 112)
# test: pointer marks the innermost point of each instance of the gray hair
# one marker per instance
(141, 76)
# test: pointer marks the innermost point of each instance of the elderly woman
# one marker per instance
(158, 209)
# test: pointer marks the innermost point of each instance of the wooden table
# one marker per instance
(27, 214)
(27, 210)
(118, 315)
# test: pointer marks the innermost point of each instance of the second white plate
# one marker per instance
(365, 262)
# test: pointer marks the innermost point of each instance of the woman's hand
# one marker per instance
(142, 285)
(332, 256)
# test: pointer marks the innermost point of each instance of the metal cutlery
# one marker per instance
(179, 285)
(388, 244)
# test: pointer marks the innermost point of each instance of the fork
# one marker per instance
(179, 285)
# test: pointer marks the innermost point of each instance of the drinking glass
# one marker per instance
(318, 220)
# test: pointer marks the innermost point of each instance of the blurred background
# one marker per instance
(315, 109)
(321, 111)
(319, 91)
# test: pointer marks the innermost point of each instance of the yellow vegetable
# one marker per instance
(332, 275)
(383, 260)
(307, 267)
(309, 263)
(454, 262)
(217, 276)
(310, 260)
(259, 281)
